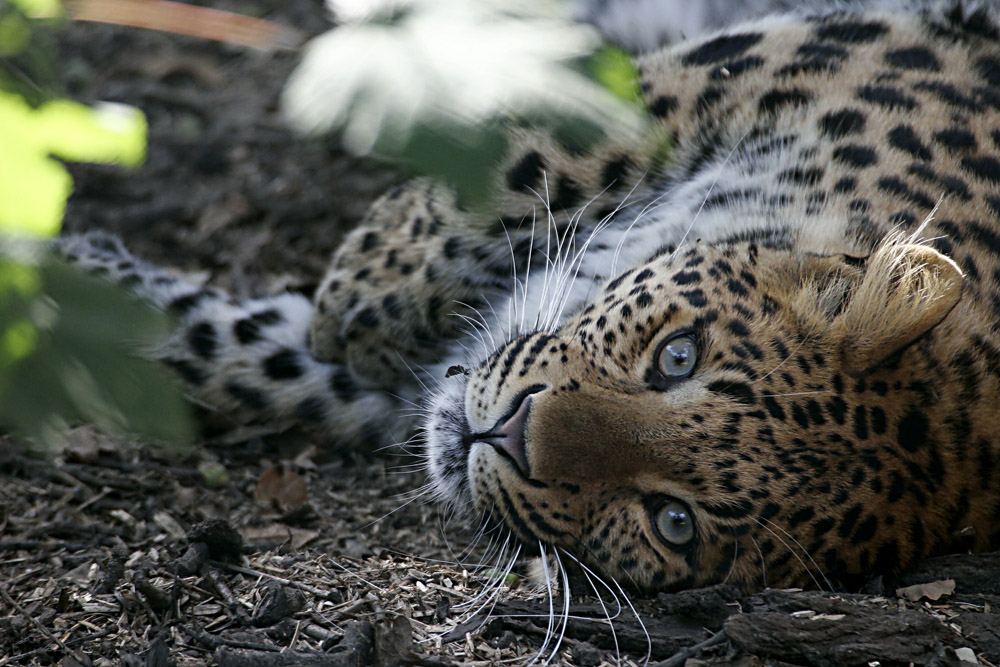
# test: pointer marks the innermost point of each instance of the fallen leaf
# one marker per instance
(284, 489)
(932, 590)
(169, 525)
(296, 537)
(123, 516)
(82, 574)
(304, 459)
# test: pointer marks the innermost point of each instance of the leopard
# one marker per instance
(768, 355)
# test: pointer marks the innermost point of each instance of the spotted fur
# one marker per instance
(824, 232)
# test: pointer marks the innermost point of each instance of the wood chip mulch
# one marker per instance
(115, 555)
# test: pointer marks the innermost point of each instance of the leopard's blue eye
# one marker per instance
(674, 522)
(677, 357)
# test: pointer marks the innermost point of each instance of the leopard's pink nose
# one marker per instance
(507, 436)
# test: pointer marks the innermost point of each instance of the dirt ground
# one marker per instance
(260, 548)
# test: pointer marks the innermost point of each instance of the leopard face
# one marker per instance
(719, 414)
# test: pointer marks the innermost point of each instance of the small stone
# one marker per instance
(442, 608)
(393, 642)
(358, 643)
(966, 654)
(158, 599)
(224, 542)
(276, 604)
(283, 630)
(586, 655)
(506, 640)
(192, 559)
(356, 549)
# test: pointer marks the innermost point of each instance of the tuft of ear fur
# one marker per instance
(906, 290)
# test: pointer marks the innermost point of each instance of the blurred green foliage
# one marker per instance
(614, 70)
(68, 347)
(34, 186)
(461, 155)
(36, 127)
(68, 343)
(28, 63)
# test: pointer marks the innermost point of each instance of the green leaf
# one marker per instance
(28, 62)
(68, 354)
(614, 69)
(15, 33)
(40, 8)
(509, 579)
(463, 156)
(214, 475)
(33, 186)
(107, 132)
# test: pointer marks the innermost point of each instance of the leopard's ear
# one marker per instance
(905, 290)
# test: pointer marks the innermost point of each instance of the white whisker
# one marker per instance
(552, 609)
(708, 193)
(638, 618)
(808, 555)
(391, 512)
(565, 611)
(600, 599)
(794, 553)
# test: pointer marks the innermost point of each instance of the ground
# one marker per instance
(263, 548)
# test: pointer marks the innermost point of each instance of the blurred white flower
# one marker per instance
(353, 11)
(444, 61)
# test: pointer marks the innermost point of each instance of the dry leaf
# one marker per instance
(297, 537)
(304, 459)
(284, 489)
(169, 525)
(85, 573)
(932, 590)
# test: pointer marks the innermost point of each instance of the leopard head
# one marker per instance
(730, 413)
